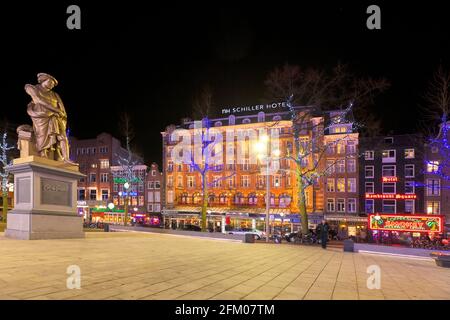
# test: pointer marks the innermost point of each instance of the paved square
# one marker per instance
(155, 266)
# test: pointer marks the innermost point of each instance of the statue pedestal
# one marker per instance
(45, 200)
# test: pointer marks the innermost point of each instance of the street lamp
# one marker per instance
(262, 148)
(126, 185)
(110, 206)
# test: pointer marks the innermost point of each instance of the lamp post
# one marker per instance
(126, 185)
(262, 147)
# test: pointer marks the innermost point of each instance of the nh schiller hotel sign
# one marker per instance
(406, 223)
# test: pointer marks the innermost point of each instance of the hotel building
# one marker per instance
(237, 191)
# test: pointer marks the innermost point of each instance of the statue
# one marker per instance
(49, 119)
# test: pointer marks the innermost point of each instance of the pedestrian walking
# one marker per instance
(319, 231)
(324, 234)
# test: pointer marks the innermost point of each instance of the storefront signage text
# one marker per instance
(390, 196)
(258, 107)
(406, 223)
(390, 179)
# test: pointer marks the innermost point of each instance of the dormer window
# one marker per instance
(246, 120)
(218, 124)
(389, 140)
(231, 120)
(261, 117)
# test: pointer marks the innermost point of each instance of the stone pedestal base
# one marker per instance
(35, 225)
(44, 200)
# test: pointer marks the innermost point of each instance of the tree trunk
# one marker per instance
(125, 215)
(5, 205)
(302, 202)
(204, 202)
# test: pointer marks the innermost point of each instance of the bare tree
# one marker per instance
(4, 174)
(309, 92)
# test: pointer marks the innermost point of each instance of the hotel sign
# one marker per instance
(406, 223)
(254, 108)
(390, 196)
(390, 179)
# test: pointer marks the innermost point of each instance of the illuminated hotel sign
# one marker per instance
(258, 107)
(390, 196)
(390, 179)
(406, 223)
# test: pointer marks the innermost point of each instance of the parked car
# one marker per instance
(258, 234)
(192, 227)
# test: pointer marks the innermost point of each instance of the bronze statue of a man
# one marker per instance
(49, 118)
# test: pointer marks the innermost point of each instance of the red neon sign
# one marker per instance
(390, 196)
(390, 179)
(406, 223)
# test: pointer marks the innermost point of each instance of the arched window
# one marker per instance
(246, 120)
(218, 124)
(261, 117)
(184, 197)
(231, 120)
(276, 118)
(252, 199)
(284, 200)
(272, 199)
(223, 198)
(211, 198)
(196, 198)
(239, 198)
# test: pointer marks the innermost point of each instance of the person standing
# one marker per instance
(319, 231)
(324, 234)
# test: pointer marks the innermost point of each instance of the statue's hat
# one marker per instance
(44, 76)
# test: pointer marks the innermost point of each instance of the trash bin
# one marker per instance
(349, 245)
(249, 238)
(106, 227)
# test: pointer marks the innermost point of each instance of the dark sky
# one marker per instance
(150, 60)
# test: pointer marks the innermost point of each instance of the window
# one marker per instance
(409, 153)
(141, 187)
(103, 149)
(92, 177)
(140, 201)
(409, 171)
(261, 181)
(330, 205)
(232, 182)
(276, 181)
(103, 177)
(389, 140)
(389, 187)
(170, 166)
(157, 196)
(81, 194)
(351, 203)
(94, 166)
(115, 187)
(157, 208)
(170, 196)
(351, 147)
(331, 148)
(389, 206)
(432, 166)
(351, 165)
(433, 187)
(330, 185)
(409, 206)
(104, 164)
(245, 165)
(93, 150)
(157, 185)
(245, 181)
(340, 147)
(340, 205)
(150, 207)
(330, 166)
(261, 116)
(433, 207)
(369, 171)
(368, 155)
(340, 166)
(370, 208)
(170, 181)
(340, 185)
(105, 194)
(409, 187)
(190, 182)
(388, 155)
(153, 173)
(116, 200)
(134, 201)
(180, 181)
(370, 187)
(351, 185)
(93, 194)
(389, 171)
(150, 185)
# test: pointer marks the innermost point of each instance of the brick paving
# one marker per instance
(155, 266)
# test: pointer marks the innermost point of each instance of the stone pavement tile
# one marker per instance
(264, 293)
(36, 292)
(227, 295)
(197, 295)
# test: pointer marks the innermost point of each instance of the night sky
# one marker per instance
(151, 60)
